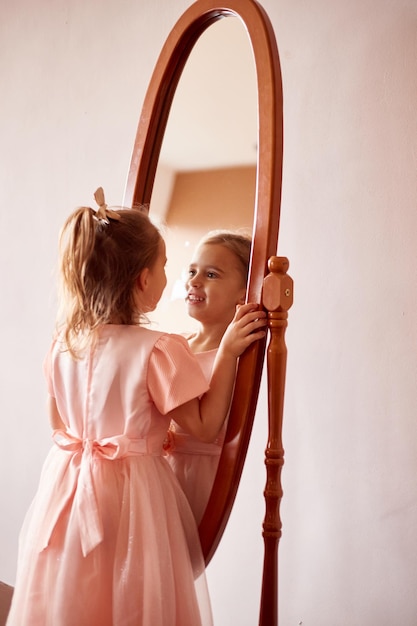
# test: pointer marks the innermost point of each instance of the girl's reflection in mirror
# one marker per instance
(216, 285)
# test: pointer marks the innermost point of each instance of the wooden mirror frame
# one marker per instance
(139, 186)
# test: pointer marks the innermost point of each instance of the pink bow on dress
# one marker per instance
(85, 499)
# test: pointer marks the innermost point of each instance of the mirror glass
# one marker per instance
(206, 174)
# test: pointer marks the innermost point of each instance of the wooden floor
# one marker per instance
(6, 593)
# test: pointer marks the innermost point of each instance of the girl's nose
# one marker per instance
(194, 281)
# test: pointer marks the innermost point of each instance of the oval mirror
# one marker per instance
(266, 206)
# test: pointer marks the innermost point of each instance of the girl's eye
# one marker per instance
(211, 275)
(191, 273)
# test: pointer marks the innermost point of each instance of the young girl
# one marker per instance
(110, 539)
(216, 284)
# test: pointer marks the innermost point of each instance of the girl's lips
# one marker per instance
(193, 299)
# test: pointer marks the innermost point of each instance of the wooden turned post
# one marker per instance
(277, 298)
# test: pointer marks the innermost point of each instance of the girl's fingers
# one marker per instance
(252, 337)
(255, 319)
(243, 309)
(249, 312)
(256, 336)
(249, 325)
(252, 330)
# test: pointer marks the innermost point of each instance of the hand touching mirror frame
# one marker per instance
(139, 186)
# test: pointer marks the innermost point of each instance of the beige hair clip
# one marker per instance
(103, 214)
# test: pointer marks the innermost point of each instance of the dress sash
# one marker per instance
(82, 488)
(187, 444)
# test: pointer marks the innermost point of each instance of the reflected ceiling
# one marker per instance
(215, 105)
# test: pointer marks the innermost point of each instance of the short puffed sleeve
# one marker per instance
(47, 370)
(174, 374)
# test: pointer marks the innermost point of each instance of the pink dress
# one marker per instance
(194, 462)
(110, 539)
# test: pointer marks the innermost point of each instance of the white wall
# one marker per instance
(73, 78)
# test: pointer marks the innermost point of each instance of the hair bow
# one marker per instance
(103, 213)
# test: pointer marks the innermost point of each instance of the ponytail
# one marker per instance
(101, 257)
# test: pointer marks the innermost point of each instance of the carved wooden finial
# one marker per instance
(278, 288)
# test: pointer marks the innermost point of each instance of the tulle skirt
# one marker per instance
(147, 569)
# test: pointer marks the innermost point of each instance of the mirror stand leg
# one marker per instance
(277, 298)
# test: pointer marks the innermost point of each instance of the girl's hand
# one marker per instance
(247, 326)
(203, 418)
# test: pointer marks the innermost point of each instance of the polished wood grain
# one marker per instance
(277, 298)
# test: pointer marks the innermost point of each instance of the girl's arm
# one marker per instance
(203, 418)
(54, 416)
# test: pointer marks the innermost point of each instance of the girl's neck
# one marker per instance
(206, 338)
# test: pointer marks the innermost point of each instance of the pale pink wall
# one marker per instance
(74, 76)
(350, 189)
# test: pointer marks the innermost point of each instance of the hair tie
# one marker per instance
(103, 214)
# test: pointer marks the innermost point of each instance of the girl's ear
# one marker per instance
(142, 280)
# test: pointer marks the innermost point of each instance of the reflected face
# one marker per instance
(215, 285)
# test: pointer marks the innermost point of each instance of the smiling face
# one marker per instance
(215, 285)
(151, 282)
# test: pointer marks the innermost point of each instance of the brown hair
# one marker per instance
(238, 243)
(100, 261)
